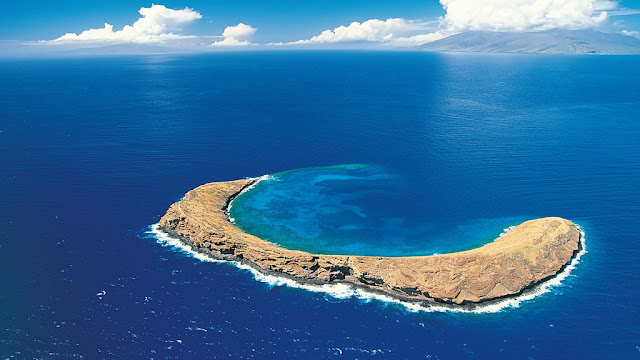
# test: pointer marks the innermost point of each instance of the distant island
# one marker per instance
(542, 42)
(556, 41)
(529, 254)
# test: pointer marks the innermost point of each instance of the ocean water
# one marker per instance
(446, 149)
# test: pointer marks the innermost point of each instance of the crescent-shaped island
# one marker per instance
(529, 254)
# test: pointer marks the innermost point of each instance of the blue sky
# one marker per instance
(276, 19)
(272, 21)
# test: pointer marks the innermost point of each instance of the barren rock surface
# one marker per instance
(532, 252)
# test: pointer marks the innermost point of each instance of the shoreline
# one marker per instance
(186, 220)
(351, 291)
(250, 185)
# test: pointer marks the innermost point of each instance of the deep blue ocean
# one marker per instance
(401, 153)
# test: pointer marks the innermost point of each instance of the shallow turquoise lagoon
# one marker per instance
(355, 209)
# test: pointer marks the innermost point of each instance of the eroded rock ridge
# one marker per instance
(532, 252)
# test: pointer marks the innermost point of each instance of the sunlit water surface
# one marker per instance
(454, 148)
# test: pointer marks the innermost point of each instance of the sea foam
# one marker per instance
(346, 291)
(227, 210)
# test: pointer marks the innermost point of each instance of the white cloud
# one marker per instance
(474, 15)
(623, 12)
(599, 5)
(370, 30)
(419, 39)
(523, 15)
(156, 25)
(238, 35)
(630, 33)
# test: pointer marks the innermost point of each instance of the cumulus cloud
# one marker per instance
(523, 15)
(157, 24)
(419, 39)
(515, 16)
(238, 35)
(605, 5)
(370, 30)
(474, 15)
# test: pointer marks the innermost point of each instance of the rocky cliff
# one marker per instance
(529, 254)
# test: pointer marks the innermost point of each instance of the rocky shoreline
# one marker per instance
(528, 255)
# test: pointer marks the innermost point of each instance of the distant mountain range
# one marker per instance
(15, 48)
(545, 42)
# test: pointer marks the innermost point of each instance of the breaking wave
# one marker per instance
(346, 291)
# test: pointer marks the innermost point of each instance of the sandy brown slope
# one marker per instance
(532, 252)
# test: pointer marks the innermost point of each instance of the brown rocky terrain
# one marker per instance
(527, 255)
